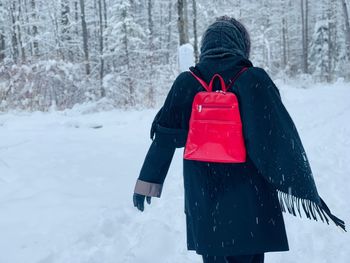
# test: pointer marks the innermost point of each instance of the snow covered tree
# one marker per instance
(34, 29)
(320, 50)
(85, 37)
(2, 32)
(151, 54)
(284, 35)
(65, 28)
(347, 27)
(101, 42)
(124, 49)
(126, 42)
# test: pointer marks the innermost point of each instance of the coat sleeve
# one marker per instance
(167, 133)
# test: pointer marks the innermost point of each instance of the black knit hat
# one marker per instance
(241, 28)
(225, 36)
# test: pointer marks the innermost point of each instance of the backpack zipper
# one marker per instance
(200, 107)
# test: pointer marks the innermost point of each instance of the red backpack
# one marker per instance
(215, 132)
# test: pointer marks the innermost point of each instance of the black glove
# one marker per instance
(139, 201)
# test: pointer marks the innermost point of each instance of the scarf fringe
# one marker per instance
(312, 210)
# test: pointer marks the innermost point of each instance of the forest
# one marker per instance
(81, 83)
(55, 54)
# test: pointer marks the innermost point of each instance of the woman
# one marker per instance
(233, 211)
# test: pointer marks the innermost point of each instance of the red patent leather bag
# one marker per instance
(215, 131)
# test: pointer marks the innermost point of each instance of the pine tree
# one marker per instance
(320, 50)
(126, 43)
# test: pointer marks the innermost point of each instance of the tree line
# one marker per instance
(56, 53)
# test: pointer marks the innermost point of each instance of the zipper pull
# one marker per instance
(199, 108)
(221, 91)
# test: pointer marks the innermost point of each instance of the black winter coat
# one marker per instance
(230, 208)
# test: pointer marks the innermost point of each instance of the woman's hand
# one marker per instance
(139, 201)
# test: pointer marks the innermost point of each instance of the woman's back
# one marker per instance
(234, 209)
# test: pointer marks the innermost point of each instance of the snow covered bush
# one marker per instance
(43, 85)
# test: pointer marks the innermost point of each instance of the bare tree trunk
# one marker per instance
(85, 37)
(307, 7)
(2, 46)
(284, 40)
(284, 35)
(131, 99)
(331, 42)
(347, 28)
(76, 17)
(304, 29)
(105, 13)
(330, 45)
(19, 32)
(195, 34)
(161, 19)
(150, 25)
(181, 23)
(65, 15)
(151, 93)
(102, 62)
(169, 32)
(303, 32)
(126, 45)
(14, 42)
(95, 33)
(28, 28)
(105, 25)
(34, 29)
(65, 29)
(2, 41)
(185, 12)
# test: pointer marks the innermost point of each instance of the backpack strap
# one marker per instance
(233, 80)
(202, 82)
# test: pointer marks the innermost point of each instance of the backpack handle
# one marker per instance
(224, 88)
(222, 82)
(209, 87)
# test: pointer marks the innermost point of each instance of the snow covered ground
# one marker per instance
(66, 187)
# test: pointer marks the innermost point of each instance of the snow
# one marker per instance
(186, 57)
(66, 185)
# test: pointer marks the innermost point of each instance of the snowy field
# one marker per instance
(66, 187)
